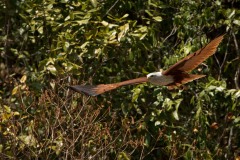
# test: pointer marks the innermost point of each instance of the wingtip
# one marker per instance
(220, 38)
(87, 90)
(94, 90)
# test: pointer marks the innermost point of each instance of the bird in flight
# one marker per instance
(173, 77)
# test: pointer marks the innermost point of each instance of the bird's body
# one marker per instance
(173, 77)
(158, 78)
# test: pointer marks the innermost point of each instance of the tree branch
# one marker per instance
(237, 74)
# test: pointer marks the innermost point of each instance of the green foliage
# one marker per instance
(48, 45)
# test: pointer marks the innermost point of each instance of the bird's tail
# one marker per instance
(94, 90)
(183, 78)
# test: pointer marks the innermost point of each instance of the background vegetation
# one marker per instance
(47, 45)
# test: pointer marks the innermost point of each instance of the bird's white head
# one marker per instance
(154, 75)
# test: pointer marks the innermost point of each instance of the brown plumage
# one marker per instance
(190, 62)
(94, 90)
(173, 77)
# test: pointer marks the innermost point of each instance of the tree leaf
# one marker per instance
(158, 18)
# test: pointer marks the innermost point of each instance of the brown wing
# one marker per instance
(94, 90)
(133, 81)
(183, 78)
(193, 60)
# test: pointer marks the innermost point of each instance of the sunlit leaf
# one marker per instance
(123, 31)
(52, 69)
(94, 3)
(15, 90)
(23, 79)
(40, 30)
(136, 93)
(149, 13)
(85, 21)
(125, 16)
(237, 22)
(7, 109)
(104, 23)
(158, 18)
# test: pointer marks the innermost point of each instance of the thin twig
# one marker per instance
(224, 60)
(236, 78)
(172, 33)
(225, 55)
(230, 138)
(111, 8)
(237, 74)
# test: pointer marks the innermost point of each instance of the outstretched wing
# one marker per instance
(94, 90)
(183, 78)
(193, 60)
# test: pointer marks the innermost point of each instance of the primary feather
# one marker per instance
(190, 62)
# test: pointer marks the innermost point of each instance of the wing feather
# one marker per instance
(94, 90)
(184, 78)
(193, 60)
